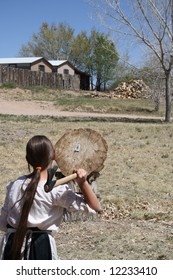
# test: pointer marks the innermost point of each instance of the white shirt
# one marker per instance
(47, 210)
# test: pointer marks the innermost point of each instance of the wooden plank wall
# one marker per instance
(26, 78)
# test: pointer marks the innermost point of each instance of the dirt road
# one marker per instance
(42, 108)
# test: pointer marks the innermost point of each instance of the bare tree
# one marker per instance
(152, 73)
(150, 22)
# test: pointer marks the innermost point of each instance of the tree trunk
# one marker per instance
(168, 97)
(98, 86)
(92, 85)
(104, 89)
(157, 103)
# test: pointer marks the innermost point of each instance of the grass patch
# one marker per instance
(8, 85)
(120, 106)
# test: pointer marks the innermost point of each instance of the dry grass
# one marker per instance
(135, 187)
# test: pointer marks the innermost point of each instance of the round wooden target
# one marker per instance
(81, 148)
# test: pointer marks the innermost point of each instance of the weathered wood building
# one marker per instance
(62, 70)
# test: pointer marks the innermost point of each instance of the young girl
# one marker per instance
(29, 215)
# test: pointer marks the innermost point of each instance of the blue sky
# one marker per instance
(19, 19)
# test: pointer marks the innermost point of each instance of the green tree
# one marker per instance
(80, 51)
(104, 58)
(96, 55)
(51, 42)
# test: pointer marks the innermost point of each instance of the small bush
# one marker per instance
(8, 85)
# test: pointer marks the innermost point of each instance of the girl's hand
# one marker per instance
(81, 176)
(86, 190)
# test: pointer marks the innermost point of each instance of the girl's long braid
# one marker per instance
(20, 233)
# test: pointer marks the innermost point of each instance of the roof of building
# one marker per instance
(13, 60)
(57, 62)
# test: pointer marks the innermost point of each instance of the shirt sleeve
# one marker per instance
(4, 212)
(72, 201)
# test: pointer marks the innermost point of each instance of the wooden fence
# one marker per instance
(26, 78)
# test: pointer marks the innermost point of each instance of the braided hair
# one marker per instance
(39, 155)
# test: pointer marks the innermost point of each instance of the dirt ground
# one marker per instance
(45, 108)
(100, 237)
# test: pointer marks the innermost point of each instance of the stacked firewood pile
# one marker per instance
(132, 89)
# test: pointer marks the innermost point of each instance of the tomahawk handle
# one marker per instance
(65, 179)
(49, 186)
